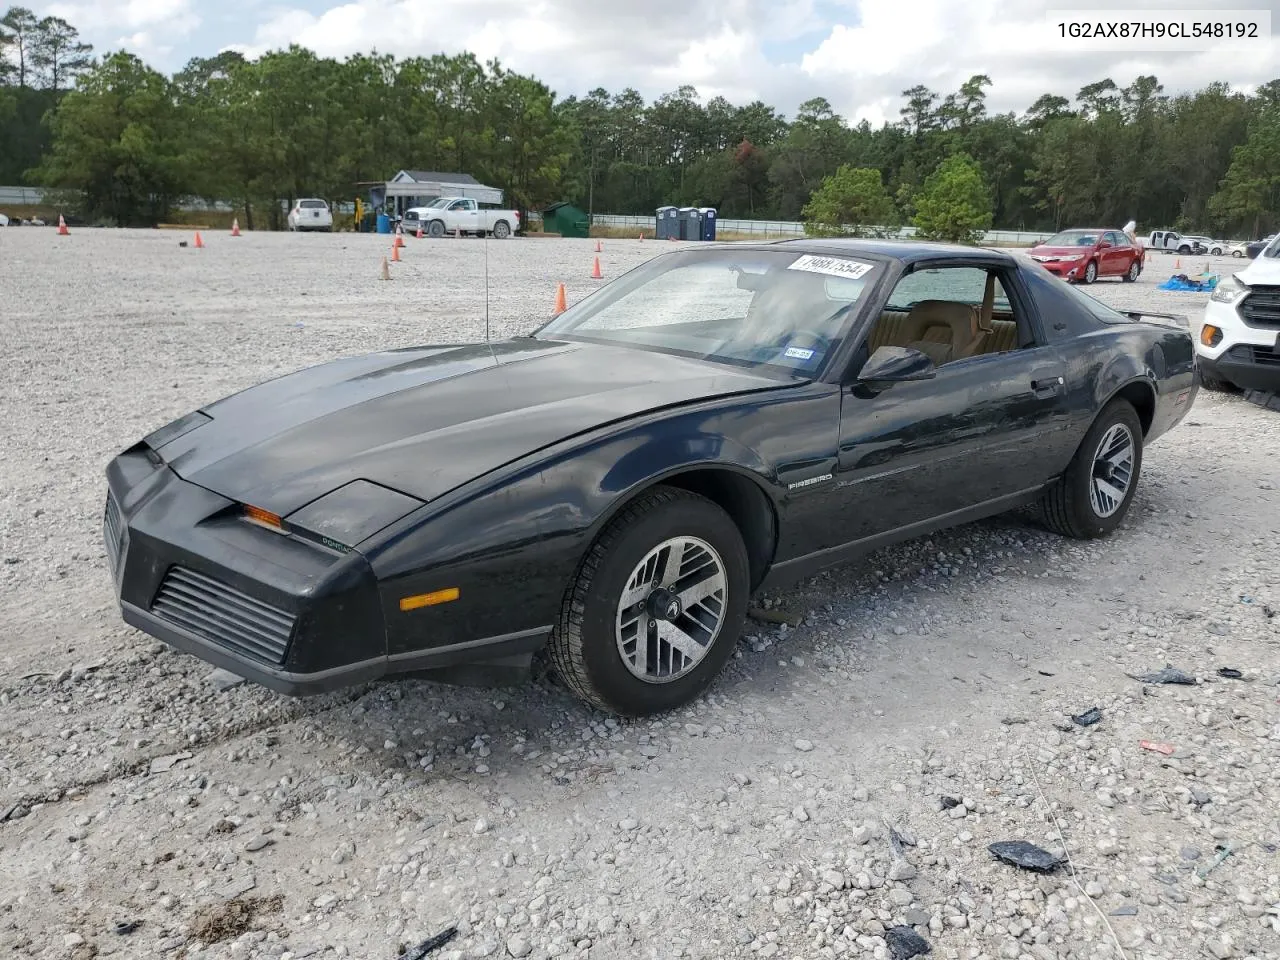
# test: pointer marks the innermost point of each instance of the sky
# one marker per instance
(858, 54)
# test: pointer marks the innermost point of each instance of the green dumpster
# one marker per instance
(566, 219)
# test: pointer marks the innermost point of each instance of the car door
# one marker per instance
(1114, 260)
(978, 434)
(466, 214)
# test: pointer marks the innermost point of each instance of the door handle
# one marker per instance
(1047, 384)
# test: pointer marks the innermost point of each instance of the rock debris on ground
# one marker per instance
(206, 818)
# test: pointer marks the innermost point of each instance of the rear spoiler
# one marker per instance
(1139, 315)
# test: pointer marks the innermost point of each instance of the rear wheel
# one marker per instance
(656, 606)
(1135, 268)
(501, 230)
(1093, 495)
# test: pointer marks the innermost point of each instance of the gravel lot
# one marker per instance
(236, 823)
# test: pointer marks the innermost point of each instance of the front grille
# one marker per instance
(224, 615)
(112, 527)
(1262, 356)
(1261, 308)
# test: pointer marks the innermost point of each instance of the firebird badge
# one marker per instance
(808, 483)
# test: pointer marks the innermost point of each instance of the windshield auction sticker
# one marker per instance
(833, 266)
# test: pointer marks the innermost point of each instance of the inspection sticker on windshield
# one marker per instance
(799, 353)
(833, 266)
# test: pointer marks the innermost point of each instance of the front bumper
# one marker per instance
(1248, 367)
(281, 611)
(1246, 355)
(1066, 269)
(189, 569)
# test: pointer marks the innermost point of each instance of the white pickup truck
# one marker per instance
(462, 214)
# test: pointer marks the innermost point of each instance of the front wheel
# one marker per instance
(656, 606)
(1091, 272)
(1093, 495)
(1237, 253)
(1215, 385)
(435, 229)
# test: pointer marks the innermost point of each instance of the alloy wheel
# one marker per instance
(1112, 471)
(671, 610)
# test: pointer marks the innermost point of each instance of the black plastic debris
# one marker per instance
(1231, 673)
(1089, 717)
(431, 944)
(904, 943)
(1169, 674)
(127, 926)
(1026, 855)
(948, 802)
(1128, 910)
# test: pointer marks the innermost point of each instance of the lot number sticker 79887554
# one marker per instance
(832, 266)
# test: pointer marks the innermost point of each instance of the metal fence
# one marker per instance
(754, 228)
(794, 228)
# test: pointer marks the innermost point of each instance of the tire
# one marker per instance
(588, 643)
(1215, 251)
(1068, 508)
(1215, 385)
(1135, 268)
(1237, 253)
(435, 229)
(1091, 272)
(501, 230)
(1184, 249)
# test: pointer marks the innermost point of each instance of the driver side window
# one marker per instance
(949, 314)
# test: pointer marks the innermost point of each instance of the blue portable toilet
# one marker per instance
(708, 223)
(384, 223)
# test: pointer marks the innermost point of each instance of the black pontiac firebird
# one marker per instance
(614, 486)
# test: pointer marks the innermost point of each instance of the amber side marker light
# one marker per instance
(1210, 335)
(419, 600)
(263, 516)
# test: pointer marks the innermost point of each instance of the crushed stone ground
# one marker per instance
(926, 690)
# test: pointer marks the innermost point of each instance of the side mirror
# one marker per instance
(890, 365)
(1103, 244)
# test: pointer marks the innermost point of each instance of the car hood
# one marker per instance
(1261, 269)
(425, 420)
(1060, 251)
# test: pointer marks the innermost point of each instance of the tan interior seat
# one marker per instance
(1003, 337)
(946, 330)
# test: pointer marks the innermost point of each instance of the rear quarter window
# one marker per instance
(1065, 310)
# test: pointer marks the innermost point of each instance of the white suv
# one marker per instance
(1238, 340)
(311, 214)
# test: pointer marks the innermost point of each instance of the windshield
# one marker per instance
(747, 307)
(437, 203)
(1072, 238)
(1272, 250)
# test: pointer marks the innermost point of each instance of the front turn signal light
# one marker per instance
(429, 599)
(264, 517)
(1210, 335)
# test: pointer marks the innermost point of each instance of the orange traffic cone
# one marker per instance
(386, 270)
(62, 227)
(641, 234)
(199, 243)
(1177, 263)
(595, 270)
(560, 304)
(418, 235)
(598, 246)
(235, 227)
(395, 253)
(398, 242)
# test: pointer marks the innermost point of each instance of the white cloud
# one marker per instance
(858, 54)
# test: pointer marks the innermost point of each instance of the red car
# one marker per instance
(1082, 256)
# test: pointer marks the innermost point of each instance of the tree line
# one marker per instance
(130, 142)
